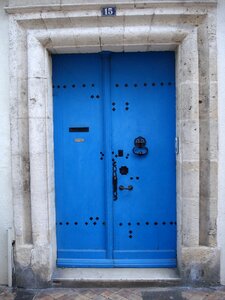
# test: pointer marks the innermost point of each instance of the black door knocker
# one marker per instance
(140, 148)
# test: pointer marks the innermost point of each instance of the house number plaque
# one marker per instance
(108, 11)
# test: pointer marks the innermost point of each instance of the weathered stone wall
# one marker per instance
(5, 160)
(221, 118)
(36, 31)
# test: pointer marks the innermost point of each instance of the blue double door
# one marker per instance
(114, 141)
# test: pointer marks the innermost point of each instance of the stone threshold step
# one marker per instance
(116, 277)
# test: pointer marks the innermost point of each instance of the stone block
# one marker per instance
(200, 265)
(189, 140)
(21, 103)
(209, 178)
(51, 174)
(135, 48)
(86, 36)
(189, 104)
(109, 31)
(87, 19)
(40, 219)
(209, 139)
(114, 48)
(77, 49)
(62, 38)
(28, 3)
(162, 47)
(37, 97)
(38, 132)
(213, 59)
(20, 176)
(36, 58)
(13, 97)
(179, 226)
(19, 140)
(213, 104)
(33, 270)
(91, 2)
(21, 62)
(49, 137)
(190, 179)
(165, 34)
(208, 100)
(49, 87)
(42, 36)
(188, 66)
(190, 222)
(178, 178)
(136, 30)
(38, 174)
(208, 221)
(212, 224)
(23, 255)
(55, 23)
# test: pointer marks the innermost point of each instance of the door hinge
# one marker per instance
(177, 145)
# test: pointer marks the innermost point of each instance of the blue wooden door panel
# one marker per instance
(102, 102)
(79, 170)
(144, 97)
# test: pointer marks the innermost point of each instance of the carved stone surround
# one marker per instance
(188, 28)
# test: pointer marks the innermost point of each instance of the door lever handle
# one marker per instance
(129, 188)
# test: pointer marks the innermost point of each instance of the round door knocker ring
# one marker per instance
(140, 148)
(140, 151)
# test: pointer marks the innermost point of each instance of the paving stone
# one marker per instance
(129, 294)
(138, 291)
(134, 297)
(125, 292)
(88, 293)
(56, 293)
(107, 293)
(99, 297)
(6, 293)
(98, 291)
(171, 293)
(163, 295)
(73, 297)
(7, 297)
(43, 297)
(25, 295)
(220, 288)
(116, 296)
(4, 296)
(216, 296)
(200, 295)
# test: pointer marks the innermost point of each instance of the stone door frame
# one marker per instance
(38, 31)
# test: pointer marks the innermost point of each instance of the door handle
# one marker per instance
(129, 188)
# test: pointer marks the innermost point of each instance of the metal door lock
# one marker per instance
(114, 180)
(129, 188)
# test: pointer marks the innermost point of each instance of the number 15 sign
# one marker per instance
(108, 11)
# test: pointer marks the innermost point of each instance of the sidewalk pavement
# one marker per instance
(168, 293)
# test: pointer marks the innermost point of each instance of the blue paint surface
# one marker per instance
(118, 97)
